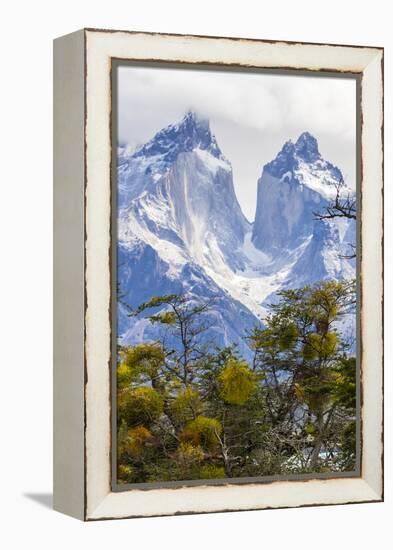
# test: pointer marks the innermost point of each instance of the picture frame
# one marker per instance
(84, 241)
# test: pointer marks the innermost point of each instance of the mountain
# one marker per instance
(179, 187)
(181, 229)
(292, 189)
(296, 184)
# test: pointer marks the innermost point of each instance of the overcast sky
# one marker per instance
(251, 114)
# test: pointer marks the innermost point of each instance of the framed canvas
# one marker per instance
(218, 274)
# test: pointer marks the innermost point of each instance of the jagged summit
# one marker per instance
(187, 143)
(191, 132)
(285, 161)
(292, 187)
(303, 155)
(307, 147)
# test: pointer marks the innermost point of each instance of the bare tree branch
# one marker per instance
(340, 207)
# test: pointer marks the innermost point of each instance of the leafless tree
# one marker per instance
(342, 206)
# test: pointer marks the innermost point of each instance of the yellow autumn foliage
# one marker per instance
(124, 376)
(186, 405)
(320, 346)
(211, 472)
(136, 440)
(142, 405)
(237, 382)
(124, 473)
(142, 359)
(189, 453)
(164, 317)
(202, 431)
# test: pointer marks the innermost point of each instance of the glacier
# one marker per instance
(181, 230)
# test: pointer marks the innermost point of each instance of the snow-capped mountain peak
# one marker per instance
(304, 151)
(301, 163)
(306, 147)
(141, 171)
(193, 131)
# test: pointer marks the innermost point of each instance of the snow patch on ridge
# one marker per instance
(212, 163)
(316, 177)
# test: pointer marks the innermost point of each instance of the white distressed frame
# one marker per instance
(100, 47)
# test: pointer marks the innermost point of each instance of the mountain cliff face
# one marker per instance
(293, 188)
(181, 229)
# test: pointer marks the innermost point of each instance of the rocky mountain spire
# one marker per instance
(193, 131)
(293, 186)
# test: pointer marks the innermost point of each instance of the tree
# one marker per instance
(343, 206)
(188, 409)
(301, 356)
(186, 322)
(340, 207)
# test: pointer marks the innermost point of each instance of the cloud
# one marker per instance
(263, 102)
(251, 113)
